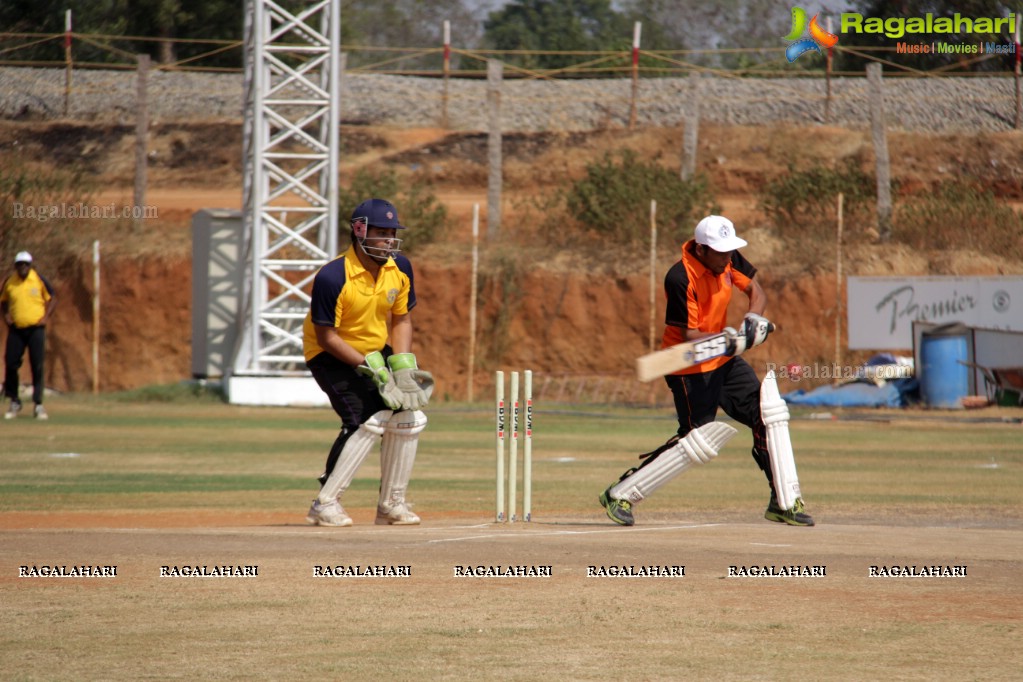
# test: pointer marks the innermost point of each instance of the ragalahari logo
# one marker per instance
(818, 36)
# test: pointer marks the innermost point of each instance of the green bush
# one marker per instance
(28, 196)
(613, 200)
(417, 206)
(802, 202)
(959, 214)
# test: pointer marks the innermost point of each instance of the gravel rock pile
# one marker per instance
(921, 104)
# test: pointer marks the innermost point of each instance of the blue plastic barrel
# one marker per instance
(944, 379)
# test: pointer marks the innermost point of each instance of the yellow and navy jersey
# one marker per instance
(698, 299)
(26, 299)
(347, 297)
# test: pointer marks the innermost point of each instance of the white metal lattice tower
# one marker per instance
(291, 151)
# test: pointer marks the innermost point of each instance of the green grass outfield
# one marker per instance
(124, 481)
(98, 454)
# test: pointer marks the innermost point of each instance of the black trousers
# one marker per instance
(353, 396)
(735, 388)
(18, 339)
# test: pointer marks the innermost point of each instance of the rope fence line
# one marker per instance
(762, 83)
(578, 106)
(596, 62)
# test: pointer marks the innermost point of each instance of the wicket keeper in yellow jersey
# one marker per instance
(375, 387)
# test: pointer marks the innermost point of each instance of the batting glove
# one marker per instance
(735, 343)
(755, 328)
(753, 332)
(375, 368)
(414, 384)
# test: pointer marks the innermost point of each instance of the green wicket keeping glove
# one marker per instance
(376, 369)
(415, 385)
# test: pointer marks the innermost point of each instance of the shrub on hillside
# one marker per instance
(35, 201)
(802, 205)
(417, 206)
(960, 214)
(802, 202)
(613, 199)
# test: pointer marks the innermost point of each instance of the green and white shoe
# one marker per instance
(796, 516)
(619, 511)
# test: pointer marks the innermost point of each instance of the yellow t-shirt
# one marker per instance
(26, 299)
(345, 296)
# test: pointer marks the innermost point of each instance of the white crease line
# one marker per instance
(572, 532)
(306, 531)
(294, 529)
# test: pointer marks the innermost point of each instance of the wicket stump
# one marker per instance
(513, 447)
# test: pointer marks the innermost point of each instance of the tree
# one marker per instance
(168, 19)
(108, 17)
(553, 25)
(364, 23)
(723, 25)
(404, 24)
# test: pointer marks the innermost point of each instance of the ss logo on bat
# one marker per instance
(711, 348)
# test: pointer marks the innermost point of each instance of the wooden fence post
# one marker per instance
(636, 30)
(447, 72)
(67, 63)
(495, 77)
(141, 138)
(1019, 95)
(653, 275)
(691, 136)
(877, 127)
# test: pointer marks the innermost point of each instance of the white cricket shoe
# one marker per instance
(330, 514)
(397, 514)
(13, 410)
(40, 412)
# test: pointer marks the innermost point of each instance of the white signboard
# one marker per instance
(882, 309)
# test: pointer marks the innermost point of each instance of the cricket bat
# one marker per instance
(685, 354)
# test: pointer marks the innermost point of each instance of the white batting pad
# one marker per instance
(398, 453)
(775, 413)
(352, 456)
(699, 446)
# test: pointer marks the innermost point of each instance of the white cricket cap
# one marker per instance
(718, 233)
(23, 257)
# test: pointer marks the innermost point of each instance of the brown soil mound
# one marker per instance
(558, 314)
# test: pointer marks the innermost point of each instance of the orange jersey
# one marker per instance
(697, 299)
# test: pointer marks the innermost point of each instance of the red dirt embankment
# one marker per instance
(557, 322)
(579, 316)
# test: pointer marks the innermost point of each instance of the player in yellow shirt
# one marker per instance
(376, 388)
(26, 301)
